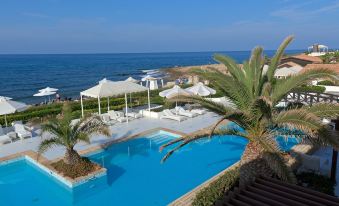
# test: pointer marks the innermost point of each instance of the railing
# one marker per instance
(311, 98)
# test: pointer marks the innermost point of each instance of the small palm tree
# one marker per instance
(66, 134)
(254, 93)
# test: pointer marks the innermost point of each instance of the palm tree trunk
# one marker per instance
(71, 157)
(252, 164)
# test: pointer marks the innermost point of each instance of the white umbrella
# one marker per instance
(131, 79)
(201, 90)
(44, 93)
(48, 89)
(173, 92)
(8, 106)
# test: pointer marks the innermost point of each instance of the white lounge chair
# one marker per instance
(106, 119)
(21, 131)
(4, 139)
(167, 114)
(118, 116)
(181, 111)
(198, 111)
(134, 115)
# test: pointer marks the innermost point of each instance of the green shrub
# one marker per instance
(315, 89)
(316, 182)
(326, 83)
(209, 195)
(90, 106)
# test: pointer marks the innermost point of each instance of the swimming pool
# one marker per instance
(135, 175)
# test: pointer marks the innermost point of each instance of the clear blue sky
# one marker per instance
(103, 26)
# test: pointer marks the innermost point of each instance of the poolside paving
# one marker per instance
(119, 130)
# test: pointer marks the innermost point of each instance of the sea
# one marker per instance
(21, 76)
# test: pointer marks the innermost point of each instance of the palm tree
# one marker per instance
(66, 134)
(254, 93)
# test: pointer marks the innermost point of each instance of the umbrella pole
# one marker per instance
(107, 104)
(126, 106)
(82, 106)
(149, 100)
(5, 120)
(99, 105)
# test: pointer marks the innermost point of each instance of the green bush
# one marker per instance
(209, 195)
(316, 182)
(315, 89)
(326, 83)
(90, 106)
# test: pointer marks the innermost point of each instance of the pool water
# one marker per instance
(135, 175)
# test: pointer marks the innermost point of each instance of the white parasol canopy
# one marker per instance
(8, 106)
(201, 90)
(107, 88)
(48, 89)
(174, 92)
(131, 79)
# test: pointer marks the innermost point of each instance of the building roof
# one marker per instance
(288, 64)
(287, 71)
(304, 57)
(269, 191)
(334, 67)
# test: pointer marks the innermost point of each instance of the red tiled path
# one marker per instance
(267, 192)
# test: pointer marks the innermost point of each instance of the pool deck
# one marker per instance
(119, 131)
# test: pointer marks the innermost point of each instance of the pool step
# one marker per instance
(161, 139)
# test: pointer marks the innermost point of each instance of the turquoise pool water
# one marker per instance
(135, 174)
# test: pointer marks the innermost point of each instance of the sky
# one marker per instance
(119, 26)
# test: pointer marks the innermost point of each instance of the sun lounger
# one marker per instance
(106, 119)
(167, 114)
(198, 111)
(21, 131)
(134, 115)
(4, 139)
(118, 116)
(181, 111)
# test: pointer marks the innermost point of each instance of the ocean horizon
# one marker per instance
(22, 75)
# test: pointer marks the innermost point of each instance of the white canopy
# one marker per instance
(44, 93)
(107, 88)
(148, 77)
(201, 90)
(48, 89)
(175, 91)
(131, 79)
(8, 106)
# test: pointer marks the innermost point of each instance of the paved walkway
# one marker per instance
(119, 130)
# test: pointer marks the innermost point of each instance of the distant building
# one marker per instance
(317, 50)
(301, 60)
(284, 72)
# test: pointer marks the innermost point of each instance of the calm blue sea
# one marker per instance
(23, 75)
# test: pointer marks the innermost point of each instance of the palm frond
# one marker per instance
(298, 119)
(283, 87)
(231, 65)
(277, 57)
(209, 104)
(324, 110)
(48, 143)
(201, 135)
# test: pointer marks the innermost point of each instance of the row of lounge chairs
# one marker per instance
(20, 132)
(180, 114)
(112, 116)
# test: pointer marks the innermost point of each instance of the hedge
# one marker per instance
(316, 89)
(90, 106)
(216, 190)
(326, 83)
